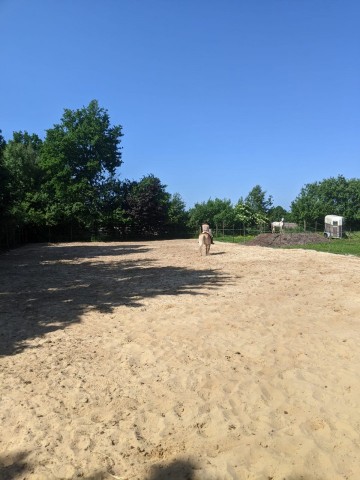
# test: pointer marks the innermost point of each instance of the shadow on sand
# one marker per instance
(188, 470)
(44, 288)
(176, 470)
(14, 466)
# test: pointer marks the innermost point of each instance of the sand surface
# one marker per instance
(146, 361)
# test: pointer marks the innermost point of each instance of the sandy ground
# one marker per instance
(146, 361)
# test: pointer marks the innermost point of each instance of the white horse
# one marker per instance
(204, 240)
(279, 225)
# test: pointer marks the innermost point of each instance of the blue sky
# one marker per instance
(214, 97)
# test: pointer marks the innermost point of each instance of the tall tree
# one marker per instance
(245, 215)
(177, 215)
(254, 210)
(4, 179)
(257, 201)
(148, 206)
(80, 156)
(216, 212)
(331, 196)
(225, 216)
(21, 158)
(277, 213)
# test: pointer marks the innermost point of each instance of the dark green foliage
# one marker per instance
(257, 201)
(66, 187)
(218, 213)
(277, 213)
(148, 207)
(79, 159)
(4, 181)
(21, 159)
(177, 216)
(254, 210)
(332, 196)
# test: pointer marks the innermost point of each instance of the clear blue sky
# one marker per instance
(214, 97)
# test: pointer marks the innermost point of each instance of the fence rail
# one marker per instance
(246, 231)
(12, 236)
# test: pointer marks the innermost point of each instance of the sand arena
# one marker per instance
(146, 361)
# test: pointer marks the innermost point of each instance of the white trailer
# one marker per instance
(334, 226)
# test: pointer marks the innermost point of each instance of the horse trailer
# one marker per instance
(334, 226)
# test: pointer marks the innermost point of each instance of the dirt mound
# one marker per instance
(285, 239)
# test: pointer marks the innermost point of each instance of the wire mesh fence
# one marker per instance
(291, 236)
(245, 232)
(310, 237)
(288, 228)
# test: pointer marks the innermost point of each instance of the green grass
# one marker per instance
(234, 239)
(340, 246)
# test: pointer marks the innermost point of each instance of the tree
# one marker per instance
(177, 215)
(114, 219)
(244, 214)
(352, 215)
(277, 213)
(218, 213)
(225, 217)
(332, 196)
(80, 157)
(4, 179)
(254, 210)
(257, 202)
(198, 214)
(21, 159)
(148, 206)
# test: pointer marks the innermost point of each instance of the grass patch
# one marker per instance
(340, 246)
(349, 245)
(234, 238)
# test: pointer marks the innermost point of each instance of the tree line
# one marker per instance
(66, 187)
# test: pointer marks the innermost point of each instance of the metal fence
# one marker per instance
(239, 234)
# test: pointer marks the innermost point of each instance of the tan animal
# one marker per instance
(204, 241)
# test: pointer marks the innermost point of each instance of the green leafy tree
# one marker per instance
(244, 214)
(177, 215)
(307, 207)
(80, 156)
(148, 206)
(332, 196)
(199, 213)
(217, 212)
(277, 213)
(257, 201)
(2, 145)
(225, 218)
(114, 219)
(352, 215)
(21, 159)
(253, 211)
(4, 180)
